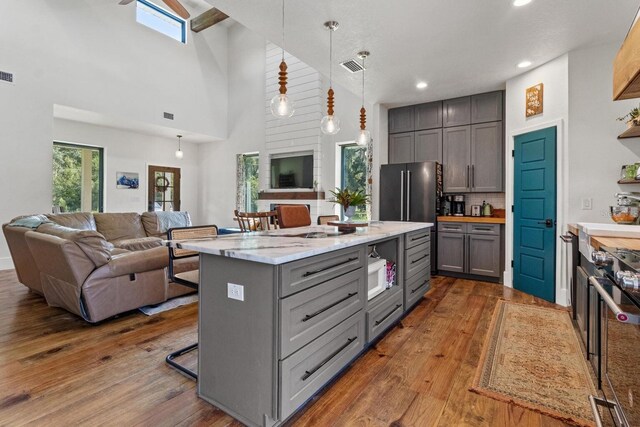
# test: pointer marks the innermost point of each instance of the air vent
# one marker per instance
(168, 116)
(7, 77)
(352, 66)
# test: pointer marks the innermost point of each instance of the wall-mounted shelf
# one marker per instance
(632, 132)
(629, 181)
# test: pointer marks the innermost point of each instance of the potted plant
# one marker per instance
(349, 200)
(632, 117)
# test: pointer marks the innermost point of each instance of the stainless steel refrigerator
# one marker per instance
(412, 192)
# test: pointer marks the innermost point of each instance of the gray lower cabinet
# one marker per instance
(385, 313)
(470, 248)
(456, 112)
(428, 146)
(486, 107)
(451, 252)
(401, 120)
(401, 147)
(417, 266)
(417, 286)
(456, 159)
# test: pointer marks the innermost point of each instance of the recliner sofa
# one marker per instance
(97, 265)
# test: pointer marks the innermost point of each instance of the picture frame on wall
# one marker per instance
(534, 99)
(127, 180)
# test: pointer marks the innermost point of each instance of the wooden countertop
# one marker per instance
(476, 219)
(573, 229)
(615, 242)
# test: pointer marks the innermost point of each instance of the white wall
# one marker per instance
(554, 76)
(126, 151)
(93, 56)
(217, 167)
(595, 154)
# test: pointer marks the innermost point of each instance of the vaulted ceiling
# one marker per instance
(459, 47)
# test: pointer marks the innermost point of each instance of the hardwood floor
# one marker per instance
(56, 369)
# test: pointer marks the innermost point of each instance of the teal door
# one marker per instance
(534, 243)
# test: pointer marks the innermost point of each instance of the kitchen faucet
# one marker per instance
(622, 196)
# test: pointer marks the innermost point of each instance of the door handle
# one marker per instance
(408, 195)
(547, 222)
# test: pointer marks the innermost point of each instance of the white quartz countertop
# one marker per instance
(282, 246)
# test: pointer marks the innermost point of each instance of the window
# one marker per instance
(77, 178)
(250, 187)
(152, 16)
(353, 173)
(164, 188)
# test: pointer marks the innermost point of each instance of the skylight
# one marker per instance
(152, 16)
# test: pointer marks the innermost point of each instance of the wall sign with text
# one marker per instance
(533, 100)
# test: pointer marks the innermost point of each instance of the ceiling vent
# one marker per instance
(168, 116)
(7, 77)
(352, 66)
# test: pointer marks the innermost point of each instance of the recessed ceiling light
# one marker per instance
(524, 64)
(421, 85)
(521, 2)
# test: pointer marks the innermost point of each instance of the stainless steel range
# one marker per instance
(618, 284)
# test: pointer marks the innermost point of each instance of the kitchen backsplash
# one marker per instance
(495, 199)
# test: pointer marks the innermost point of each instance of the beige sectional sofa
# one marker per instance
(96, 265)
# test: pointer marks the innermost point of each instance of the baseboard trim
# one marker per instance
(6, 264)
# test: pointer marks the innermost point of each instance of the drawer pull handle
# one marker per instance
(307, 374)
(419, 259)
(388, 314)
(418, 237)
(322, 310)
(421, 285)
(311, 273)
(482, 228)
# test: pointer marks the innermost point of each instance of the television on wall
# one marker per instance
(292, 171)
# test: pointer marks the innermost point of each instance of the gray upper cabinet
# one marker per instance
(428, 116)
(428, 146)
(486, 107)
(401, 147)
(456, 112)
(456, 159)
(487, 163)
(401, 120)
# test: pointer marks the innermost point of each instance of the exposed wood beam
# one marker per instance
(207, 19)
(178, 8)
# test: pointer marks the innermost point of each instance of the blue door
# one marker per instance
(534, 245)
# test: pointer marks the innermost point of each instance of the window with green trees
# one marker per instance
(251, 166)
(354, 174)
(77, 178)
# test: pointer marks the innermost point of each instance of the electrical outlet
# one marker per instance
(235, 291)
(587, 204)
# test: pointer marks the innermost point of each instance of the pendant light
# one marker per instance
(364, 136)
(330, 124)
(179, 153)
(282, 106)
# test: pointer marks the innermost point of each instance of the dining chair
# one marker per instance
(325, 219)
(256, 221)
(189, 278)
(290, 216)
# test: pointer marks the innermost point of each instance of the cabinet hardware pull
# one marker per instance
(621, 316)
(307, 374)
(413, 239)
(413, 291)
(408, 195)
(566, 238)
(322, 310)
(468, 177)
(311, 273)
(401, 195)
(419, 259)
(388, 314)
(482, 228)
(473, 176)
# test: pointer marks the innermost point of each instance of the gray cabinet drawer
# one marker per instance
(416, 288)
(475, 228)
(299, 275)
(416, 238)
(308, 314)
(417, 258)
(306, 371)
(452, 227)
(384, 315)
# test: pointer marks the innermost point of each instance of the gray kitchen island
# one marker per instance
(283, 312)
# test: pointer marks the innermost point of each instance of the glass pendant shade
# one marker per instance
(363, 138)
(179, 154)
(330, 125)
(282, 106)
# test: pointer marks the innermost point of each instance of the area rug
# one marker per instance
(532, 358)
(150, 310)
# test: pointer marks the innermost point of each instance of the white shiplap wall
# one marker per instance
(300, 133)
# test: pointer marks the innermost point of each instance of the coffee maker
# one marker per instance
(457, 205)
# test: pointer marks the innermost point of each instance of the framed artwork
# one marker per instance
(534, 100)
(127, 180)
